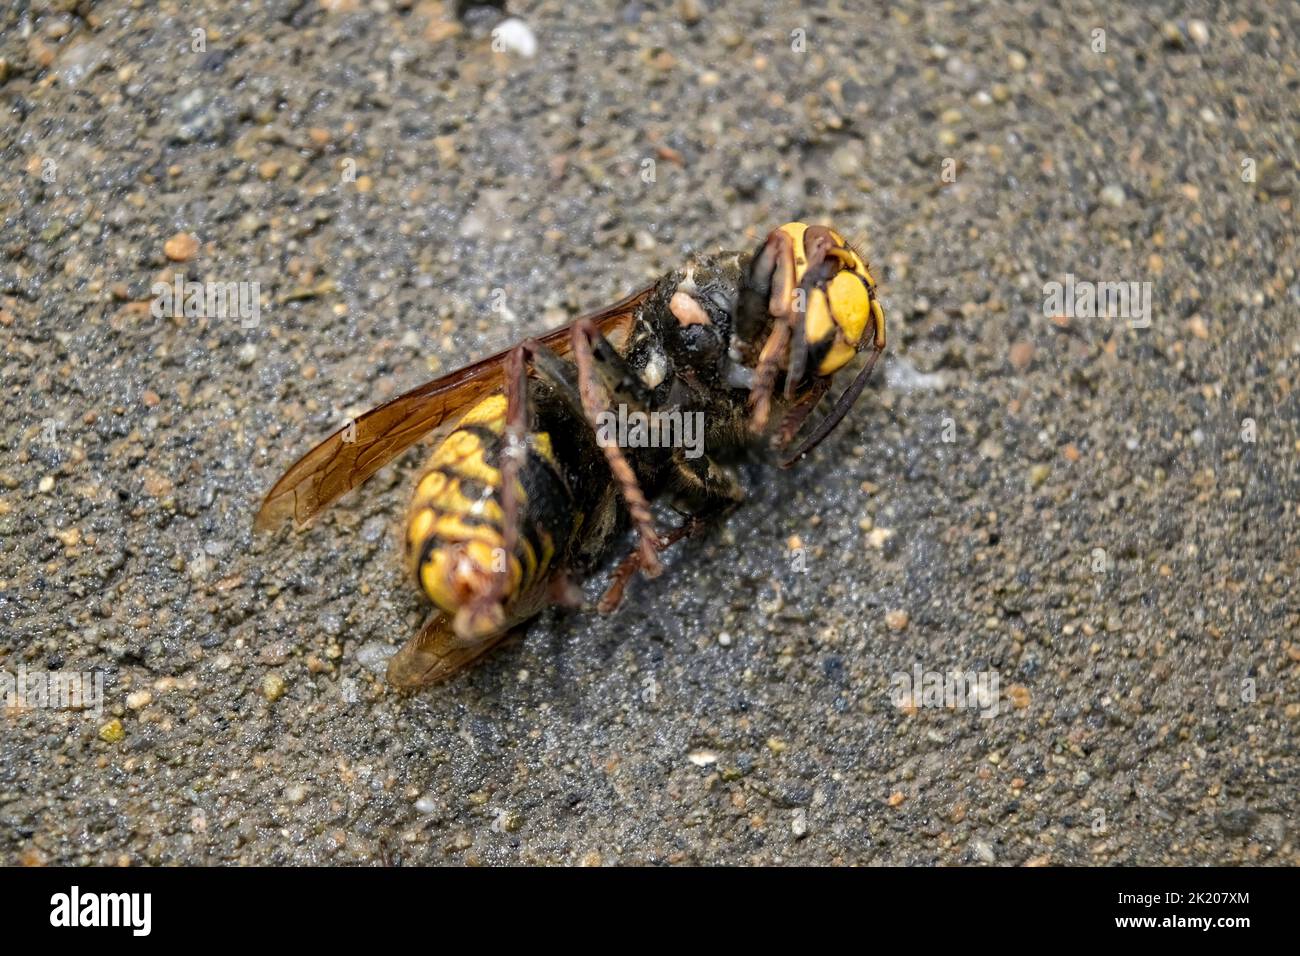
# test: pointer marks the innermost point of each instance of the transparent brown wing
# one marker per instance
(436, 653)
(336, 466)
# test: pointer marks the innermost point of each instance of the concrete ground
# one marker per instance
(1099, 514)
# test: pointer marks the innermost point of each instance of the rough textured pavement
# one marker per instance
(1099, 515)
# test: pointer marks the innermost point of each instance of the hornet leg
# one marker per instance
(587, 343)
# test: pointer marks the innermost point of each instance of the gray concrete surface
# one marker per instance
(738, 709)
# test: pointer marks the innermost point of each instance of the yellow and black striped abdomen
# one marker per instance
(455, 537)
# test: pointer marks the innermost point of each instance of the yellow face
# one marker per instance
(840, 307)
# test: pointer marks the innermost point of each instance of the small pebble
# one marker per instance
(1022, 354)
(507, 821)
(427, 804)
(350, 691)
(515, 36)
(878, 536)
(374, 655)
(273, 687)
(799, 823)
(458, 843)
(847, 162)
(181, 247)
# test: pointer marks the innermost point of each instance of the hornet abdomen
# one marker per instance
(455, 536)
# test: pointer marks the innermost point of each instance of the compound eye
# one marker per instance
(850, 305)
(819, 324)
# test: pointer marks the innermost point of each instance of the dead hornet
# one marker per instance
(528, 491)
